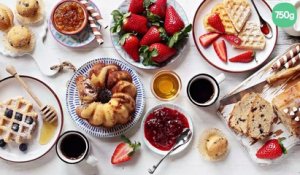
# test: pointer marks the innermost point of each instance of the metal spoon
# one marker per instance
(182, 139)
(264, 25)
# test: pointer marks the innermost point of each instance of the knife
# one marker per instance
(284, 74)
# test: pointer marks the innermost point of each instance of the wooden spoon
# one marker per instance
(49, 113)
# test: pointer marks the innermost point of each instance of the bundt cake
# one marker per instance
(107, 95)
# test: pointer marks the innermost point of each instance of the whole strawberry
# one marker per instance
(173, 22)
(131, 45)
(136, 6)
(159, 8)
(129, 22)
(156, 54)
(272, 149)
(154, 35)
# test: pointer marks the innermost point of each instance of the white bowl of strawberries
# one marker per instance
(149, 35)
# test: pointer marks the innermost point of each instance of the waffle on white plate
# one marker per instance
(238, 11)
(18, 120)
(219, 8)
(252, 37)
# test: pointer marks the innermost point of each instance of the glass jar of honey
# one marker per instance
(166, 85)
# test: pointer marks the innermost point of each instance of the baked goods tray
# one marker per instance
(269, 92)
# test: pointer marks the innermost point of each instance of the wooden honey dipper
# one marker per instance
(49, 113)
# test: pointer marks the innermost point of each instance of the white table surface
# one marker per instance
(189, 161)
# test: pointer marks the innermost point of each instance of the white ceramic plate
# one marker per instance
(171, 106)
(10, 88)
(73, 100)
(209, 53)
(123, 8)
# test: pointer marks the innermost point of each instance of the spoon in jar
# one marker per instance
(264, 25)
(182, 139)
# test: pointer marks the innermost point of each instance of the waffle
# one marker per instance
(238, 12)
(219, 8)
(251, 37)
(18, 120)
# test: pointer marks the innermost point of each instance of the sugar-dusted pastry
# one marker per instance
(30, 11)
(18, 120)
(19, 39)
(213, 145)
(6, 18)
(86, 90)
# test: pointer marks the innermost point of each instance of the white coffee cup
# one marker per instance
(73, 147)
(215, 91)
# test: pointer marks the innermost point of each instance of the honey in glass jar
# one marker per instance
(166, 85)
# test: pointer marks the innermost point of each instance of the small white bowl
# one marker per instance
(171, 106)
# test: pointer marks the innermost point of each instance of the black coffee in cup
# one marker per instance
(202, 90)
(73, 146)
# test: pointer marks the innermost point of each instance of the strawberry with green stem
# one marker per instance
(124, 151)
(156, 10)
(178, 36)
(131, 45)
(154, 35)
(129, 22)
(272, 149)
(173, 22)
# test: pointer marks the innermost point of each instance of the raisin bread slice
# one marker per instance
(238, 120)
(260, 119)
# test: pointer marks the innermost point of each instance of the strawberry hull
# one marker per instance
(164, 52)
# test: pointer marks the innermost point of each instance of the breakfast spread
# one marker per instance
(6, 18)
(163, 126)
(153, 45)
(108, 95)
(30, 11)
(18, 121)
(213, 145)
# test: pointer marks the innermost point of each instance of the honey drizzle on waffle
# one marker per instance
(18, 120)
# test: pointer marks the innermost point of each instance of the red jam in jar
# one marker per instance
(69, 17)
(163, 126)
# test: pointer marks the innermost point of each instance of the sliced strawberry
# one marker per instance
(124, 151)
(136, 6)
(131, 45)
(272, 149)
(233, 39)
(173, 22)
(245, 57)
(208, 38)
(221, 50)
(215, 21)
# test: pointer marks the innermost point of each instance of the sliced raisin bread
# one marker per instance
(238, 120)
(260, 119)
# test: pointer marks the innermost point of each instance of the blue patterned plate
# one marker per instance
(123, 8)
(74, 41)
(73, 100)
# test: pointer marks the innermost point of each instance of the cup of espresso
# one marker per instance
(73, 147)
(203, 89)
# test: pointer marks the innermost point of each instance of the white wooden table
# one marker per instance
(189, 161)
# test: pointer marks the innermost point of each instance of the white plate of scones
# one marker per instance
(105, 97)
(240, 20)
(21, 122)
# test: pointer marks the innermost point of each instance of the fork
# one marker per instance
(49, 113)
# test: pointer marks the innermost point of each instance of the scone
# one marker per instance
(287, 107)
(6, 18)
(19, 39)
(219, 9)
(213, 145)
(30, 11)
(238, 11)
(252, 37)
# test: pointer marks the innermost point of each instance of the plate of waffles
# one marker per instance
(228, 35)
(21, 123)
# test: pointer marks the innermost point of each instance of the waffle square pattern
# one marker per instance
(220, 9)
(238, 11)
(18, 120)
(252, 37)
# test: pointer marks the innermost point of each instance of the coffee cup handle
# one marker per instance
(92, 160)
(220, 78)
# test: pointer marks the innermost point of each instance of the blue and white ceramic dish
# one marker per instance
(74, 41)
(72, 100)
(123, 8)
